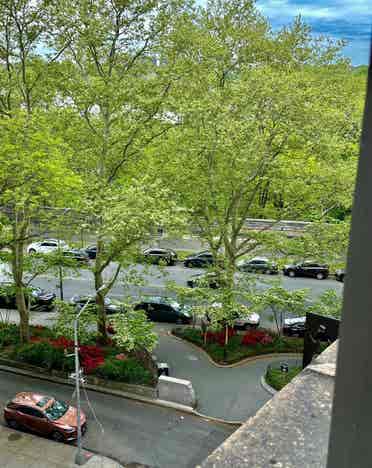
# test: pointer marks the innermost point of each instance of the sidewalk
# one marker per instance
(23, 450)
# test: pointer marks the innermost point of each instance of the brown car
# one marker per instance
(44, 415)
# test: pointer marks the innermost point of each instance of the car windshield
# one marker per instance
(56, 410)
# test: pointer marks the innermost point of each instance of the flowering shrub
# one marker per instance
(62, 342)
(219, 337)
(91, 357)
(255, 337)
(121, 357)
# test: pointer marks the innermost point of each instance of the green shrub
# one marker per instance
(42, 355)
(9, 334)
(128, 370)
(278, 379)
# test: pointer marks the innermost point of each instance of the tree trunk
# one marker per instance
(17, 271)
(100, 297)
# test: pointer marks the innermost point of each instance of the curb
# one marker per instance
(235, 364)
(130, 396)
(268, 387)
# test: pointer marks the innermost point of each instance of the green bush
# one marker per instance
(128, 370)
(9, 334)
(278, 379)
(42, 355)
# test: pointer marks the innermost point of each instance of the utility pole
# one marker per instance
(78, 376)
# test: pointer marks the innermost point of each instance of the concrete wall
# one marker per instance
(176, 390)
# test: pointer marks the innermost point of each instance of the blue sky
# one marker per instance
(340, 19)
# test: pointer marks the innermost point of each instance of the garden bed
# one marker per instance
(278, 379)
(49, 353)
(251, 343)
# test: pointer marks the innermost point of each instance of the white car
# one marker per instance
(251, 320)
(46, 246)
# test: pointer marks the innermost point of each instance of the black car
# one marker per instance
(91, 251)
(205, 280)
(164, 309)
(111, 306)
(309, 269)
(259, 265)
(294, 326)
(200, 260)
(76, 254)
(158, 255)
(40, 299)
(340, 275)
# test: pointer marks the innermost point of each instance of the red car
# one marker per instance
(44, 415)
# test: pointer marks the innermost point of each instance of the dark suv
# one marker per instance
(158, 255)
(40, 299)
(112, 306)
(259, 265)
(340, 275)
(200, 260)
(307, 269)
(164, 309)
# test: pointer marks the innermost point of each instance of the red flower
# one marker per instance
(121, 357)
(255, 337)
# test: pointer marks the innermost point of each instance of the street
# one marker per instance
(133, 432)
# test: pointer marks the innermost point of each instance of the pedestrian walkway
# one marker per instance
(231, 393)
(23, 450)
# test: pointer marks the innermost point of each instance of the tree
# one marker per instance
(133, 331)
(36, 162)
(329, 303)
(113, 91)
(280, 301)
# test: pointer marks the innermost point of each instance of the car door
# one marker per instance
(165, 313)
(34, 420)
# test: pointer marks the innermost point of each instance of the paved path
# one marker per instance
(133, 432)
(233, 394)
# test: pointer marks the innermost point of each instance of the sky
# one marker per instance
(341, 19)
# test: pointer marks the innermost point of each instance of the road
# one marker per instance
(155, 279)
(133, 432)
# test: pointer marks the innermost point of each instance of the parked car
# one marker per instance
(200, 260)
(309, 269)
(340, 275)
(40, 299)
(294, 326)
(47, 246)
(77, 254)
(158, 255)
(259, 265)
(165, 309)
(44, 415)
(111, 306)
(91, 251)
(251, 320)
(204, 280)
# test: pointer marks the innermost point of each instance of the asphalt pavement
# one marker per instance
(133, 432)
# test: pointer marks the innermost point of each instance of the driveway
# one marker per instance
(233, 393)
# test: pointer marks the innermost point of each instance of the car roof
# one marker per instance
(30, 399)
(157, 299)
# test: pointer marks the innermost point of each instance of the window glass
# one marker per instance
(56, 410)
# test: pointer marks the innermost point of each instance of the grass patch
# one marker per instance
(278, 379)
(235, 351)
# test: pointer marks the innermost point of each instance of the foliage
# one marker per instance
(64, 326)
(278, 379)
(128, 370)
(255, 337)
(329, 303)
(133, 331)
(281, 301)
(236, 350)
(9, 334)
(42, 354)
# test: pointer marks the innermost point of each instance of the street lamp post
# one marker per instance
(79, 458)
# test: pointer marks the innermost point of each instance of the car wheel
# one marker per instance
(342, 278)
(13, 424)
(57, 436)
(186, 264)
(179, 321)
(32, 251)
(291, 273)
(320, 276)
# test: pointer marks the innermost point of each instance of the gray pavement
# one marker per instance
(20, 450)
(232, 394)
(133, 432)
